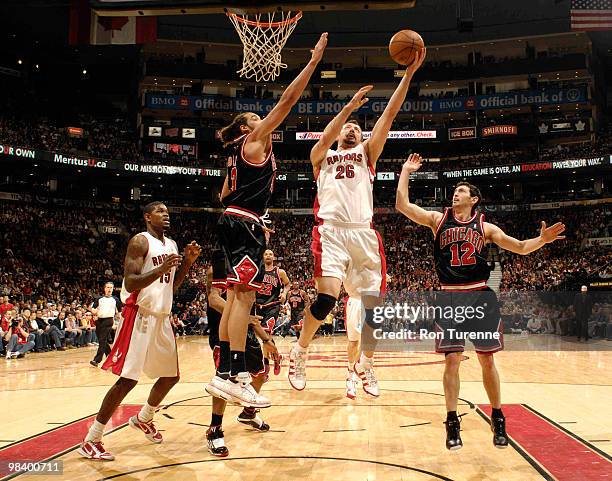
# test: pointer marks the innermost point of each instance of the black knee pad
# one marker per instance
(322, 306)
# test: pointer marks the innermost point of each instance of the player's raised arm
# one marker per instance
(291, 94)
(524, 247)
(332, 130)
(134, 262)
(415, 213)
(375, 144)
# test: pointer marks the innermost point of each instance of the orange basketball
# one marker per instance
(404, 46)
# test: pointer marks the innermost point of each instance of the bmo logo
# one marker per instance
(183, 102)
(470, 103)
(163, 101)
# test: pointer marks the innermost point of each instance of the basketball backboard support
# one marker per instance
(110, 8)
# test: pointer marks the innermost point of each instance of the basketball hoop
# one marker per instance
(263, 41)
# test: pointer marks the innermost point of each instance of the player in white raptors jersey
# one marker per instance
(345, 246)
(145, 340)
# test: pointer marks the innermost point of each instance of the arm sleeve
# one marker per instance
(96, 303)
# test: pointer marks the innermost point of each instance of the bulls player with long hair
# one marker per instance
(145, 342)
(255, 358)
(461, 238)
(241, 231)
(346, 247)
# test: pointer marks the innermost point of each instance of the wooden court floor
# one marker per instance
(557, 404)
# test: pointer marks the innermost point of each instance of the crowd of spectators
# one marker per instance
(55, 260)
(100, 138)
(115, 139)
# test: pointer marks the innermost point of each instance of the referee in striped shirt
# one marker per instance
(105, 307)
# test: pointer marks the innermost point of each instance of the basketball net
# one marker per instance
(263, 41)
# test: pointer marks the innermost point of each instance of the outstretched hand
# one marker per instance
(413, 163)
(360, 99)
(317, 52)
(418, 61)
(552, 233)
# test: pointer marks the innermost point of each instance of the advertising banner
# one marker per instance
(393, 134)
(499, 130)
(460, 133)
(374, 106)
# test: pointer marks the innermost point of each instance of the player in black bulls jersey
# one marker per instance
(270, 297)
(460, 254)
(272, 294)
(216, 297)
(241, 232)
(297, 303)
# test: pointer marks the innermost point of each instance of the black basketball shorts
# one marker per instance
(468, 315)
(269, 316)
(297, 317)
(243, 241)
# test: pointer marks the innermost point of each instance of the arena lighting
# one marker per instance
(19, 62)
(84, 72)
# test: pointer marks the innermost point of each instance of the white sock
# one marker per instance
(300, 348)
(146, 413)
(96, 431)
(365, 359)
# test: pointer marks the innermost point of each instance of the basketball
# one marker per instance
(404, 45)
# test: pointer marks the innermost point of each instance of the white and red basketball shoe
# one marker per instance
(351, 385)
(148, 428)
(297, 368)
(239, 392)
(365, 371)
(95, 450)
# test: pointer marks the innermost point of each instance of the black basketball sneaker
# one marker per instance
(249, 417)
(216, 442)
(453, 436)
(500, 438)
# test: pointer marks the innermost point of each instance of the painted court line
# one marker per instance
(563, 455)
(48, 444)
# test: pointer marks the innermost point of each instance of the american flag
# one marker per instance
(591, 14)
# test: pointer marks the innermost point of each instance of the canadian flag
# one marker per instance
(88, 27)
(122, 30)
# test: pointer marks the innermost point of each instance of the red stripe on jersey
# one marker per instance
(465, 221)
(116, 359)
(242, 208)
(484, 237)
(316, 208)
(317, 251)
(243, 157)
(444, 217)
(371, 167)
(383, 264)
